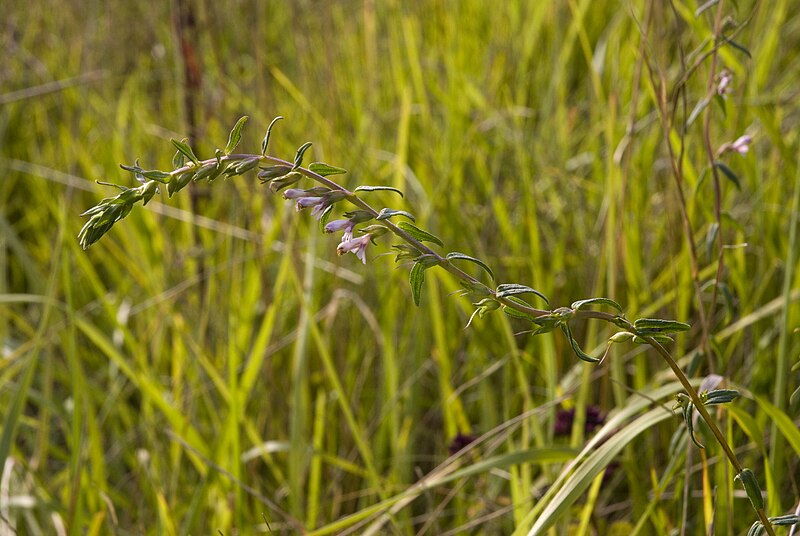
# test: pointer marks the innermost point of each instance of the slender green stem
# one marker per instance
(701, 409)
(476, 284)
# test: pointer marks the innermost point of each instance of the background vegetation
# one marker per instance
(211, 364)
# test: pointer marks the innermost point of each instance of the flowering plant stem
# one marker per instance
(282, 173)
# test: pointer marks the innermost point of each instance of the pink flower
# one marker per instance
(357, 246)
(341, 225)
(306, 202)
(724, 83)
(320, 209)
(742, 144)
(293, 193)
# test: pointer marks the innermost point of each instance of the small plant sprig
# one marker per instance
(284, 176)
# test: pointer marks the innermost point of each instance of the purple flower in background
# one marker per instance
(341, 225)
(742, 144)
(357, 246)
(460, 441)
(724, 83)
(565, 418)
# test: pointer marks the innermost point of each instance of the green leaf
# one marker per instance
(729, 173)
(298, 157)
(741, 48)
(323, 169)
(179, 182)
(720, 100)
(387, 213)
(794, 400)
(419, 234)
(209, 171)
(245, 165)
(156, 175)
(751, 487)
(455, 255)
(720, 396)
(688, 414)
(785, 520)
(698, 109)
(711, 237)
(360, 216)
(273, 172)
(265, 143)
(184, 148)
(784, 423)
(756, 529)
(575, 347)
(323, 219)
(368, 188)
(580, 304)
(178, 160)
(416, 278)
(577, 478)
(427, 260)
(235, 136)
(651, 326)
(512, 289)
(14, 412)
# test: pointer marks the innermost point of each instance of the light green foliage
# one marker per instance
(191, 371)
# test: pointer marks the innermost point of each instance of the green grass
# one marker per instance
(191, 372)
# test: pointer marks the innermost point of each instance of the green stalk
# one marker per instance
(782, 366)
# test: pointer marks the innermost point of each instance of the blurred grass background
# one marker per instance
(211, 364)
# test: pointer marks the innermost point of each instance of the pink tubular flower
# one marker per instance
(320, 208)
(341, 225)
(742, 144)
(357, 246)
(724, 81)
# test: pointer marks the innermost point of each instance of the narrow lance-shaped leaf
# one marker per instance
(387, 213)
(751, 487)
(756, 529)
(729, 173)
(785, 521)
(711, 237)
(178, 160)
(698, 109)
(367, 188)
(720, 396)
(320, 168)
(741, 48)
(455, 255)
(235, 136)
(575, 347)
(580, 304)
(298, 157)
(156, 175)
(513, 289)
(183, 147)
(688, 418)
(265, 142)
(419, 234)
(649, 326)
(416, 278)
